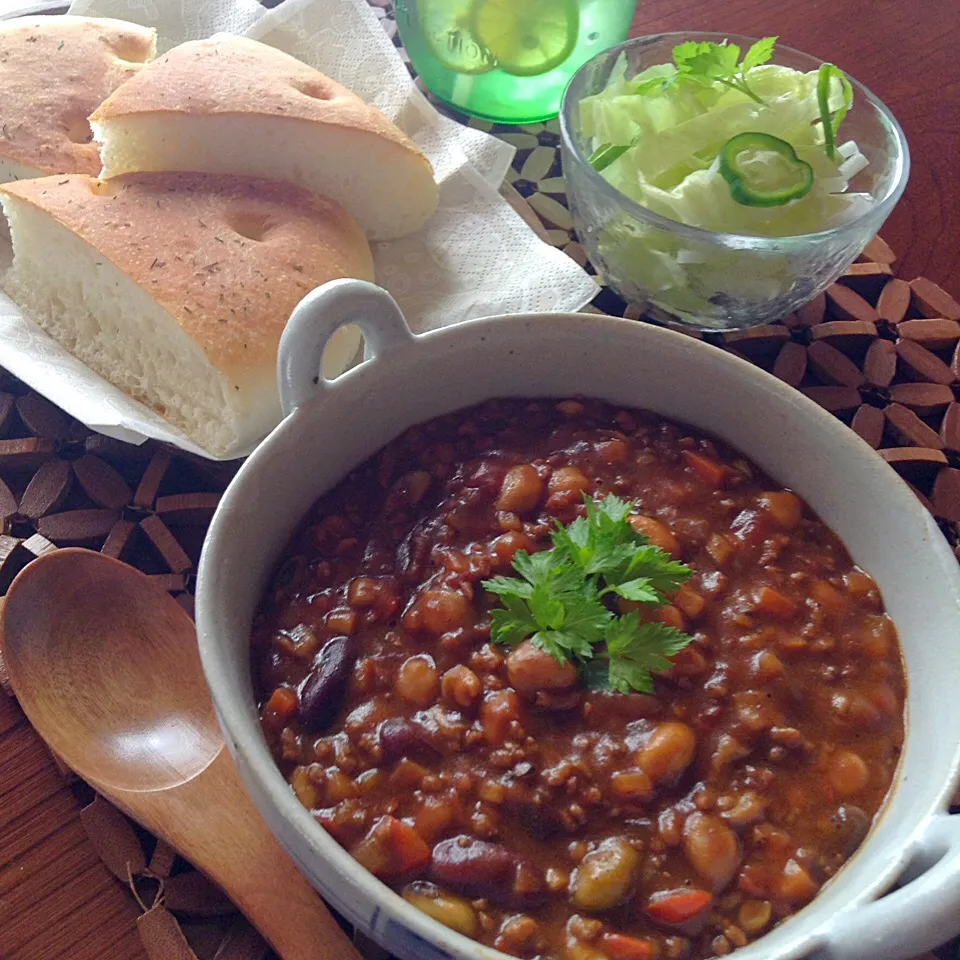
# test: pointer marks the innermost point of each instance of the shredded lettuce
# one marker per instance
(656, 138)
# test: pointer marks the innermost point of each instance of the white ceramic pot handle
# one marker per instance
(908, 922)
(315, 320)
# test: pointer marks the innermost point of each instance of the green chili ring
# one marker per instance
(751, 194)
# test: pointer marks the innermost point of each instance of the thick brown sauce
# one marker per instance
(520, 809)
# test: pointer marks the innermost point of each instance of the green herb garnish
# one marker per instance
(561, 601)
(706, 63)
(831, 121)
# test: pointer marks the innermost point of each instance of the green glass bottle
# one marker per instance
(507, 60)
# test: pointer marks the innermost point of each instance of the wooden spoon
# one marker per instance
(106, 667)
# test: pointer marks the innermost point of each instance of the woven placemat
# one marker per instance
(880, 352)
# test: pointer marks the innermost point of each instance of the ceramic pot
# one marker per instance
(333, 426)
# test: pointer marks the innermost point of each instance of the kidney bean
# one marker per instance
(476, 868)
(323, 691)
(400, 737)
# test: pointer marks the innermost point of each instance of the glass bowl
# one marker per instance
(700, 278)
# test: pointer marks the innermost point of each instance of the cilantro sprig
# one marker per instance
(562, 600)
(695, 64)
(706, 63)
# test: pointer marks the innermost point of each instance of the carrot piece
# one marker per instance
(678, 906)
(709, 471)
(618, 946)
(279, 708)
(391, 849)
(690, 602)
(796, 884)
(409, 847)
(774, 603)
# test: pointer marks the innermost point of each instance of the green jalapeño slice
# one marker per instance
(763, 170)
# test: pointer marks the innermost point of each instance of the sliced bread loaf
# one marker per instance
(176, 287)
(232, 105)
(54, 72)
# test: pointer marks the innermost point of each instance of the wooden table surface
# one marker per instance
(906, 51)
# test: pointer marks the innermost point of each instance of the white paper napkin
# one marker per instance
(474, 258)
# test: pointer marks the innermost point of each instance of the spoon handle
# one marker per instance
(213, 823)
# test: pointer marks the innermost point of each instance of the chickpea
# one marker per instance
(668, 751)
(505, 547)
(749, 808)
(461, 687)
(442, 610)
(783, 507)
(530, 670)
(452, 911)
(754, 915)
(417, 681)
(566, 486)
(847, 772)
(712, 848)
(518, 934)
(659, 534)
(605, 876)
(304, 788)
(521, 489)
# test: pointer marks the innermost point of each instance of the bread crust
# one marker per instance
(228, 257)
(238, 76)
(54, 71)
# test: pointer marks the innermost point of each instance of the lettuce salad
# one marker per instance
(731, 145)
(659, 137)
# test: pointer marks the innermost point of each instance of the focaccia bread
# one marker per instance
(176, 287)
(54, 72)
(232, 105)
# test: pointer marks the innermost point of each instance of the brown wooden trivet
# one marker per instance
(878, 352)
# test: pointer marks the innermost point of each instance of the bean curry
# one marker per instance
(489, 785)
